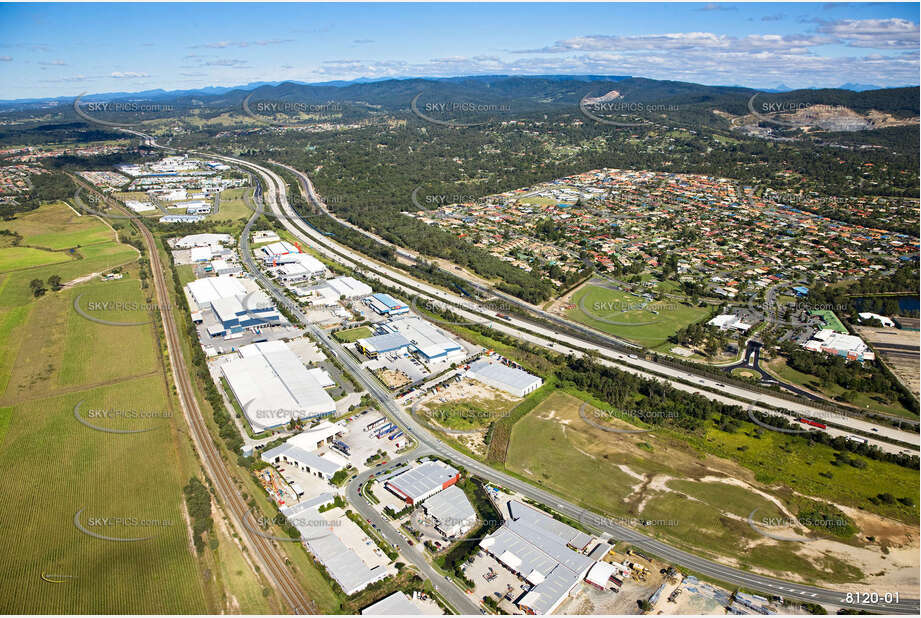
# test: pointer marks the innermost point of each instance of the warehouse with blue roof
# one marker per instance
(385, 304)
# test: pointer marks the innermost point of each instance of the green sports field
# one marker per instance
(622, 314)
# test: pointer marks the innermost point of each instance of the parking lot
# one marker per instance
(362, 444)
(501, 582)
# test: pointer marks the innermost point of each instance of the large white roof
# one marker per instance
(514, 378)
(273, 386)
(429, 340)
(397, 604)
(311, 437)
(450, 506)
(349, 287)
(418, 481)
(201, 240)
(204, 291)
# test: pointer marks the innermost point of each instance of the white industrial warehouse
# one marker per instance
(397, 604)
(539, 550)
(512, 380)
(341, 562)
(451, 510)
(416, 484)
(273, 386)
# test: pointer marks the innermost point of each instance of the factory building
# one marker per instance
(541, 551)
(397, 604)
(300, 267)
(341, 562)
(451, 510)
(385, 304)
(850, 347)
(517, 382)
(238, 312)
(427, 479)
(727, 321)
(204, 240)
(204, 291)
(427, 340)
(383, 344)
(273, 386)
(279, 252)
(307, 461)
(348, 287)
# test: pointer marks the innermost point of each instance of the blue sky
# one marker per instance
(67, 49)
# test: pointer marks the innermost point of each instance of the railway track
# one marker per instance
(269, 557)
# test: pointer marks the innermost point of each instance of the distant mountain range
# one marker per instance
(210, 91)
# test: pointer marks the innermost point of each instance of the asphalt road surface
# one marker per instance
(429, 443)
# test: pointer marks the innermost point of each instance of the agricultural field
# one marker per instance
(17, 258)
(698, 493)
(57, 227)
(69, 481)
(622, 314)
(353, 334)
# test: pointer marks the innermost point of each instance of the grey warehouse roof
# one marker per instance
(397, 604)
(450, 505)
(306, 458)
(517, 379)
(420, 480)
(343, 564)
(385, 343)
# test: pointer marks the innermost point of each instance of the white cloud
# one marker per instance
(128, 75)
(875, 33)
(226, 44)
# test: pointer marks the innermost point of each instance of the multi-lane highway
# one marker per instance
(428, 443)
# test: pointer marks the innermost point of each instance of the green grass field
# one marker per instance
(18, 258)
(831, 320)
(56, 226)
(353, 334)
(624, 315)
(554, 447)
(234, 204)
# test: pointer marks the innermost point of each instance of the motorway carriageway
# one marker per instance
(704, 566)
(428, 444)
(542, 336)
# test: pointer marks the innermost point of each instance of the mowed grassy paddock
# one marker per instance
(353, 334)
(672, 315)
(555, 448)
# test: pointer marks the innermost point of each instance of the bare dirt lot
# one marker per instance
(899, 349)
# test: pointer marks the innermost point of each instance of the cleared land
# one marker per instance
(235, 204)
(622, 314)
(698, 500)
(899, 349)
